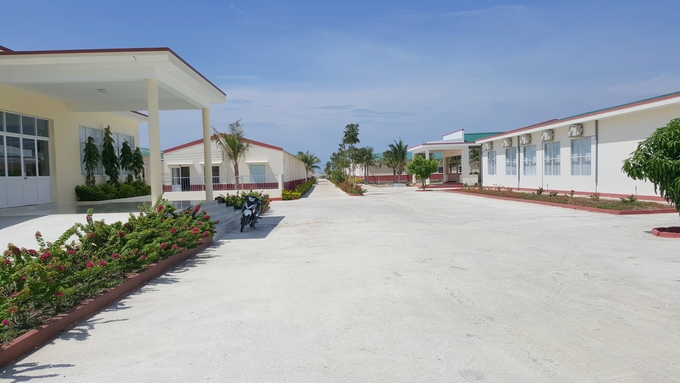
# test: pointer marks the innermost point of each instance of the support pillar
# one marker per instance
(207, 155)
(427, 157)
(156, 169)
(445, 167)
(465, 166)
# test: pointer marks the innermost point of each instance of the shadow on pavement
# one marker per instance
(310, 191)
(265, 225)
(19, 372)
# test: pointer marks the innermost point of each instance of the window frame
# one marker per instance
(552, 161)
(529, 163)
(491, 162)
(581, 162)
(511, 165)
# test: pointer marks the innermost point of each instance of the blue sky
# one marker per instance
(296, 72)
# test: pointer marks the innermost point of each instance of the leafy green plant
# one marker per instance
(539, 191)
(657, 160)
(110, 191)
(91, 159)
(553, 194)
(109, 157)
(36, 284)
(287, 195)
(630, 200)
(127, 161)
(422, 168)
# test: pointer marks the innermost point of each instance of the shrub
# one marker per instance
(553, 194)
(287, 195)
(36, 284)
(630, 200)
(539, 191)
(111, 191)
(595, 196)
(238, 199)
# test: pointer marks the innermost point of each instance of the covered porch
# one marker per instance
(114, 81)
(447, 150)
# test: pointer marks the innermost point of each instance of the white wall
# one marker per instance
(618, 137)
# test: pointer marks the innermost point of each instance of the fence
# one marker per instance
(254, 182)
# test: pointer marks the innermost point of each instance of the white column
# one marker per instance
(207, 155)
(154, 139)
(445, 167)
(427, 156)
(465, 165)
(279, 179)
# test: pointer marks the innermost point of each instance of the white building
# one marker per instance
(51, 101)
(266, 168)
(583, 153)
(452, 144)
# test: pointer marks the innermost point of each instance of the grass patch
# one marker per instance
(630, 203)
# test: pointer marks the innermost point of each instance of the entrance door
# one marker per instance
(185, 176)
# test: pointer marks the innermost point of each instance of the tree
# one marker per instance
(366, 158)
(138, 164)
(454, 163)
(233, 146)
(126, 160)
(399, 151)
(474, 157)
(351, 138)
(310, 160)
(657, 160)
(422, 168)
(109, 157)
(91, 160)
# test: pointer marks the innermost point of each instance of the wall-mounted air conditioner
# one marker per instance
(487, 146)
(547, 135)
(576, 130)
(525, 139)
(507, 142)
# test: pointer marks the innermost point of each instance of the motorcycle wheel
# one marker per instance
(253, 221)
(243, 222)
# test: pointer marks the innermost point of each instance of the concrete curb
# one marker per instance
(583, 208)
(53, 327)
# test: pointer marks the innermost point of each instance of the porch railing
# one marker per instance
(255, 182)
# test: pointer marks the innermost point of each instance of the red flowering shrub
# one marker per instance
(37, 284)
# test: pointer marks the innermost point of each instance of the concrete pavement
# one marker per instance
(396, 286)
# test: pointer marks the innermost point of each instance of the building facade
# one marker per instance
(583, 153)
(266, 168)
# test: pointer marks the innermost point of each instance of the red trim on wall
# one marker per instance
(291, 185)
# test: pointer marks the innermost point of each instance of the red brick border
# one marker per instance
(667, 232)
(43, 333)
(584, 208)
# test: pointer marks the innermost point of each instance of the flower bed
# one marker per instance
(299, 191)
(36, 284)
(628, 205)
(350, 189)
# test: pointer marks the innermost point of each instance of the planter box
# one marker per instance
(53, 327)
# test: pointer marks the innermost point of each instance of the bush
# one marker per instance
(238, 199)
(287, 195)
(349, 188)
(110, 191)
(36, 284)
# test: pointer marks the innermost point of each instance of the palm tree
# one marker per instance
(390, 161)
(454, 163)
(399, 151)
(474, 157)
(366, 158)
(233, 146)
(310, 160)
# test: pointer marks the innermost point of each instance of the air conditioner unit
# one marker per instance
(525, 139)
(507, 142)
(576, 130)
(487, 146)
(547, 135)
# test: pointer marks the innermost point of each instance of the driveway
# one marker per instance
(396, 286)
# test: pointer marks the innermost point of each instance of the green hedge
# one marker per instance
(299, 191)
(108, 191)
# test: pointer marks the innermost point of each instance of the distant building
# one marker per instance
(266, 168)
(583, 153)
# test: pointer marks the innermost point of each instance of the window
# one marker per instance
(216, 174)
(176, 176)
(580, 157)
(257, 173)
(491, 162)
(13, 123)
(511, 162)
(529, 160)
(13, 156)
(551, 156)
(2, 121)
(43, 158)
(98, 136)
(2, 156)
(30, 168)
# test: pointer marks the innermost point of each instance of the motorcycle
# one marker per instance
(250, 212)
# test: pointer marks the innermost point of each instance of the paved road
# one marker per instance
(396, 286)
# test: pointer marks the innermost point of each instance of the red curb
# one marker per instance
(584, 208)
(53, 327)
(421, 190)
(667, 232)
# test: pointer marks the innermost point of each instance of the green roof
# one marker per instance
(146, 152)
(473, 137)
